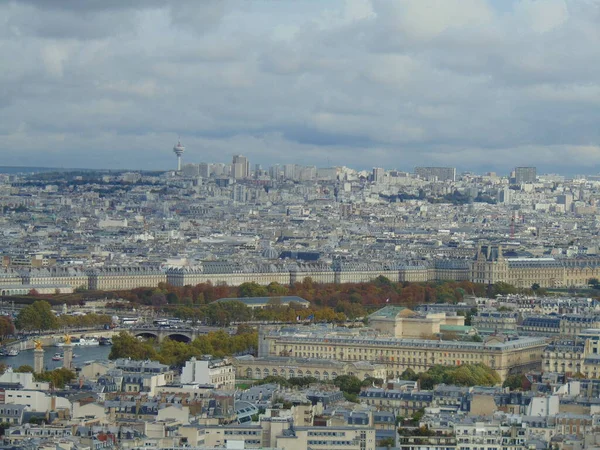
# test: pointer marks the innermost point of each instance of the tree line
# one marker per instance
(218, 344)
(39, 317)
(463, 375)
(366, 294)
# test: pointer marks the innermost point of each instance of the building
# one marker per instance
(378, 174)
(240, 167)
(402, 322)
(503, 355)
(109, 278)
(402, 403)
(525, 175)
(219, 373)
(491, 266)
(266, 302)
(495, 321)
(277, 430)
(580, 355)
(252, 368)
(491, 436)
(436, 173)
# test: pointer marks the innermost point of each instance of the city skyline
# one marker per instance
(480, 84)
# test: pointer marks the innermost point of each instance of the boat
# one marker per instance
(13, 352)
(85, 342)
(74, 341)
(76, 355)
(105, 341)
(58, 357)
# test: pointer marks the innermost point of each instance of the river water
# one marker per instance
(81, 356)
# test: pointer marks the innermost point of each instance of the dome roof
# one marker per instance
(270, 253)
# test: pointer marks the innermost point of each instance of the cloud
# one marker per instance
(484, 84)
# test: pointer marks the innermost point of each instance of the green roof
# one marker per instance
(388, 312)
(462, 328)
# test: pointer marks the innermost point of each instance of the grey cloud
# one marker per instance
(348, 82)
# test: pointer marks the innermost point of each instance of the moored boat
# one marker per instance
(85, 342)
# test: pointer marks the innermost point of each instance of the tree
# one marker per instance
(409, 374)
(6, 327)
(535, 287)
(348, 383)
(57, 377)
(24, 369)
(386, 442)
(252, 289)
(128, 346)
(513, 382)
(594, 283)
(37, 316)
(502, 288)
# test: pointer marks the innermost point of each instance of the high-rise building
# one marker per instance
(289, 171)
(378, 174)
(240, 167)
(436, 173)
(525, 175)
(191, 170)
(274, 172)
(204, 170)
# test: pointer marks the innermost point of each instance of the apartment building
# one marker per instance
(219, 373)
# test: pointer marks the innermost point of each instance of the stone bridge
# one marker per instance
(187, 334)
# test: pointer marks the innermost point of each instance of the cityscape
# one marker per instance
(464, 307)
(300, 225)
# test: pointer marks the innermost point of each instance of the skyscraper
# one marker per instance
(240, 167)
(378, 173)
(441, 173)
(525, 175)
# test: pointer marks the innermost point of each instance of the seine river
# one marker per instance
(81, 356)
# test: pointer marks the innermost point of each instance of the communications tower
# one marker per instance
(178, 150)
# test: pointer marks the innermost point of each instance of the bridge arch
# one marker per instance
(179, 337)
(146, 335)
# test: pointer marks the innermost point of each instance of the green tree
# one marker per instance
(513, 382)
(409, 374)
(535, 287)
(57, 377)
(348, 383)
(594, 283)
(127, 346)
(386, 442)
(3, 427)
(252, 289)
(24, 369)
(37, 316)
(502, 288)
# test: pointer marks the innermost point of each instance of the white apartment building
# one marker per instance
(218, 373)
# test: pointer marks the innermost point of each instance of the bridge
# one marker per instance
(180, 334)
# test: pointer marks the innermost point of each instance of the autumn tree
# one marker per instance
(6, 327)
(37, 316)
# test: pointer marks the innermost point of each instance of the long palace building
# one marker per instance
(373, 345)
(488, 266)
(399, 354)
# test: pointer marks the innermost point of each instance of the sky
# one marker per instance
(481, 85)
